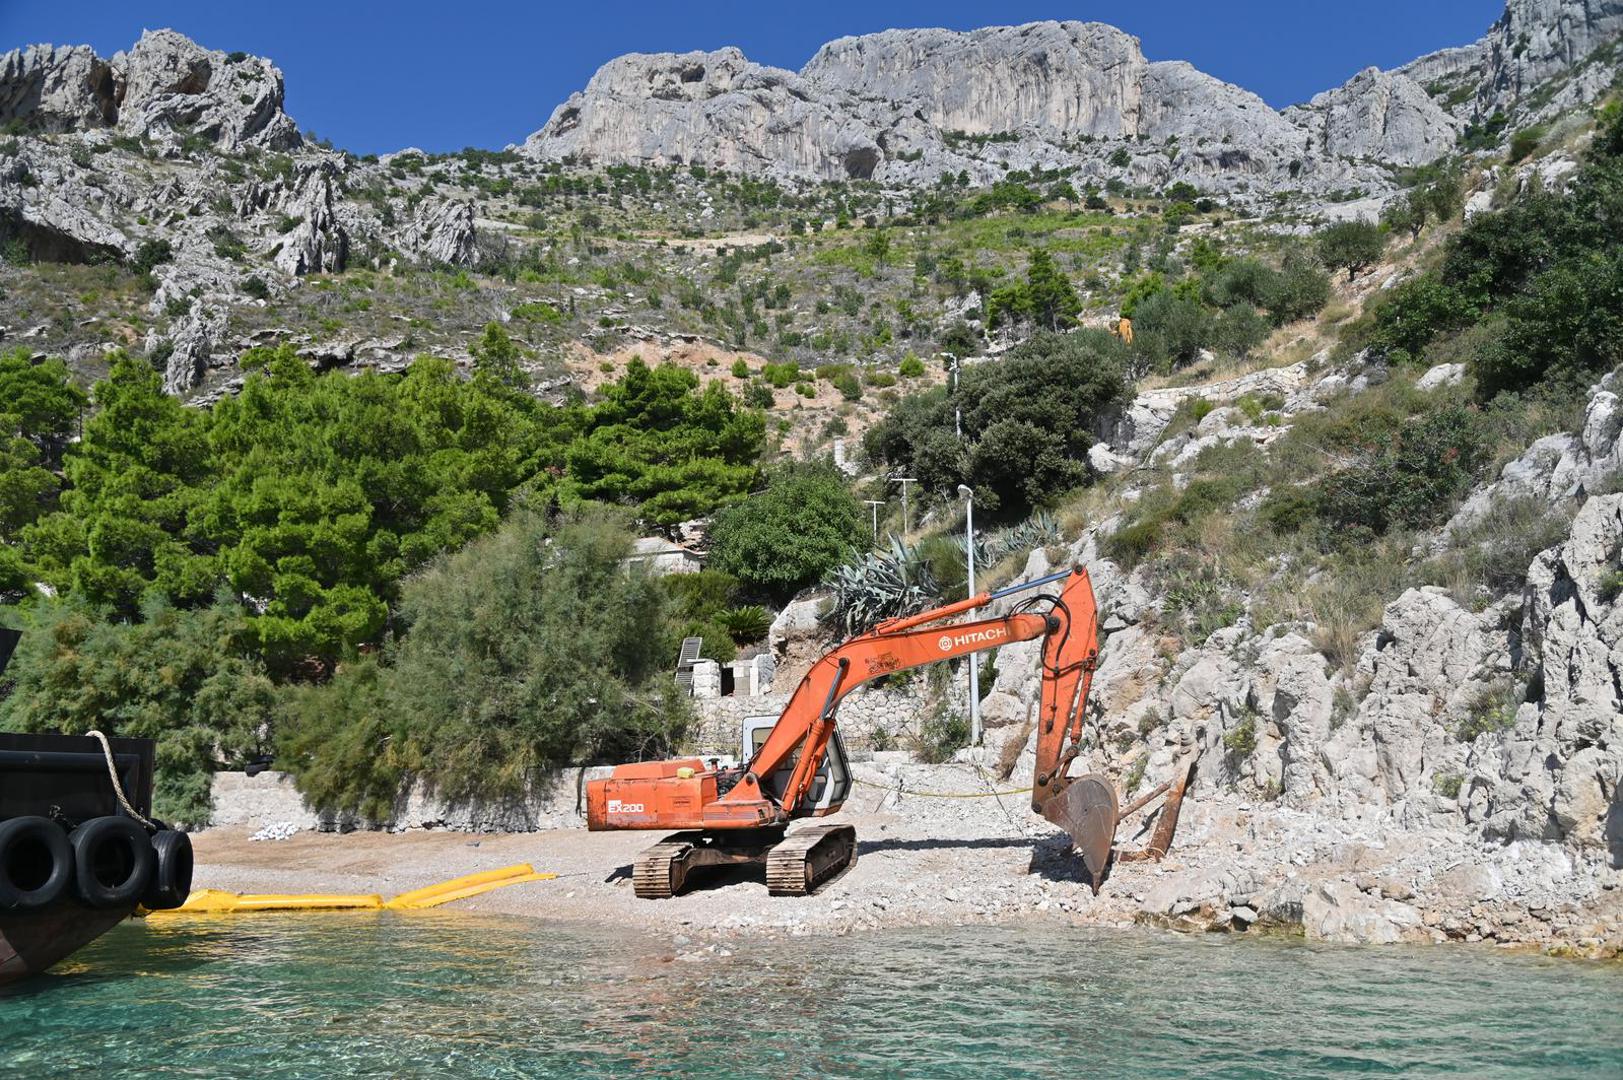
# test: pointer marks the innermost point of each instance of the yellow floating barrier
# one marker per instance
(220, 902)
(463, 887)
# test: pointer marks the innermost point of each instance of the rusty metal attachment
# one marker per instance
(1089, 812)
(1167, 824)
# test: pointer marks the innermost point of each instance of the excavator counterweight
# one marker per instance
(795, 766)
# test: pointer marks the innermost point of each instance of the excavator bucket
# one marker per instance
(1087, 810)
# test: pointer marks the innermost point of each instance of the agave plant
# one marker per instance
(881, 585)
(1037, 531)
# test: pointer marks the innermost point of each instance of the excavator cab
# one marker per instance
(831, 785)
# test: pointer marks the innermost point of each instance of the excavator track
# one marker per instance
(810, 858)
(660, 871)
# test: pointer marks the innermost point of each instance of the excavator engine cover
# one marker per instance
(1088, 811)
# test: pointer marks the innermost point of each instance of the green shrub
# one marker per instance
(911, 367)
(1299, 290)
(1027, 422)
(1350, 246)
(1289, 510)
(1409, 316)
(758, 395)
(1169, 330)
(1525, 141)
(1242, 739)
(741, 370)
(538, 311)
(745, 625)
(805, 523)
(783, 375)
(940, 736)
(531, 649)
(186, 679)
(1414, 479)
(1489, 711)
(1447, 784)
(1045, 299)
(151, 254)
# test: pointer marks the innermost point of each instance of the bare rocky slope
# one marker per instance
(904, 106)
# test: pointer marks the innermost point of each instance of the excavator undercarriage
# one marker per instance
(797, 864)
(795, 766)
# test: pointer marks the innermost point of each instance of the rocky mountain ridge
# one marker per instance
(166, 87)
(905, 106)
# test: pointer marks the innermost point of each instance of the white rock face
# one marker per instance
(442, 232)
(906, 105)
(1339, 912)
(1534, 44)
(58, 89)
(1557, 468)
(318, 244)
(1382, 115)
(165, 87)
(716, 109)
(1441, 375)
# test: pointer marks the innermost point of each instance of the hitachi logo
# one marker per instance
(949, 642)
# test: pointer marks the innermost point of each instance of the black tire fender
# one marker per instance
(113, 862)
(172, 872)
(36, 863)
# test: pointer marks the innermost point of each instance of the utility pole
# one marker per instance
(966, 493)
(875, 504)
(907, 518)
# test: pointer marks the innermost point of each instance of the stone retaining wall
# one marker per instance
(897, 712)
(270, 798)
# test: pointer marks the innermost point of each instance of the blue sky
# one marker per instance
(375, 76)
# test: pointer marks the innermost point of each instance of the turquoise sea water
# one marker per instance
(442, 994)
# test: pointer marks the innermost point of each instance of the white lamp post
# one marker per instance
(907, 519)
(966, 493)
(875, 504)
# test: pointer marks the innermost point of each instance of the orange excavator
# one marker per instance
(795, 766)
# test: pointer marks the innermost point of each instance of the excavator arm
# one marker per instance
(683, 794)
(1067, 623)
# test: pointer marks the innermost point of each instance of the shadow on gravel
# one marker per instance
(872, 847)
(1053, 857)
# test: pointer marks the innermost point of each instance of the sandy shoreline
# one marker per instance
(925, 862)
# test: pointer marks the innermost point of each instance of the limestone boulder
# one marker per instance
(1337, 911)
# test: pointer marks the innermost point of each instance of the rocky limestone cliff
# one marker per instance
(715, 108)
(1541, 57)
(165, 88)
(904, 106)
(907, 105)
(1380, 116)
(1501, 723)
